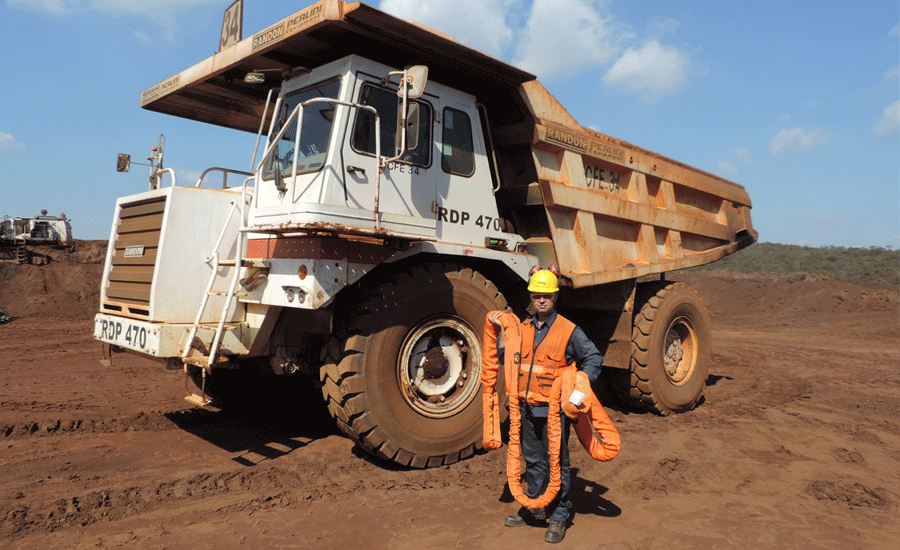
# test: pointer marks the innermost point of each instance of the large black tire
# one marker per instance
(407, 384)
(670, 349)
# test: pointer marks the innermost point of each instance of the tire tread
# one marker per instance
(651, 296)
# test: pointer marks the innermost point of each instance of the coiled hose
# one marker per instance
(589, 414)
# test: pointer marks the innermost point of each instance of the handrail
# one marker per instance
(225, 172)
(158, 177)
(262, 122)
(215, 250)
(232, 289)
(495, 171)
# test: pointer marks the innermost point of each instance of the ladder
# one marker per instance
(205, 362)
(21, 253)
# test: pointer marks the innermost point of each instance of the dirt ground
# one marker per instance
(796, 445)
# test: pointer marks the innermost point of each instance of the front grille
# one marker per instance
(136, 246)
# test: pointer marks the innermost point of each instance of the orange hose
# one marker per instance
(490, 403)
(590, 414)
(491, 438)
(513, 463)
(587, 415)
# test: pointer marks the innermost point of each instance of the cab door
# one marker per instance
(407, 187)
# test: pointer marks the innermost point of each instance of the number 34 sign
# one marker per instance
(231, 25)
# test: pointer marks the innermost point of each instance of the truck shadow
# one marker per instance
(283, 414)
(273, 420)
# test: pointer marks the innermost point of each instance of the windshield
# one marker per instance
(316, 129)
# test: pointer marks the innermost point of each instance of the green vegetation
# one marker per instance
(873, 266)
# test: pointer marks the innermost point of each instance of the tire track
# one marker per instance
(234, 490)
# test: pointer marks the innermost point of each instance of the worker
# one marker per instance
(549, 342)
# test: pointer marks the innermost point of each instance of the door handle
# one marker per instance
(355, 169)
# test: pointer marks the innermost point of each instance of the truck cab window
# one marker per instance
(457, 151)
(386, 103)
(317, 121)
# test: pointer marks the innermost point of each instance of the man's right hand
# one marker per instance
(494, 318)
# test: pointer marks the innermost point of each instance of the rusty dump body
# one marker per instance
(603, 209)
(617, 211)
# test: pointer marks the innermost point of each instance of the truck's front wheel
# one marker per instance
(670, 349)
(408, 381)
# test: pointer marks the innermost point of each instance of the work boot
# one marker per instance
(514, 520)
(525, 517)
(556, 532)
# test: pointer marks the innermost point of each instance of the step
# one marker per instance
(197, 400)
(261, 264)
(196, 360)
(202, 361)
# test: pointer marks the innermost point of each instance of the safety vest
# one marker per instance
(540, 367)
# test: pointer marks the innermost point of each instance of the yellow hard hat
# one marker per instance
(544, 282)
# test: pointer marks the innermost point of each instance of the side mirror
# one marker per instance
(414, 79)
(410, 125)
(254, 77)
(123, 163)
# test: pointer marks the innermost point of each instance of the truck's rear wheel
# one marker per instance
(408, 381)
(670, 349)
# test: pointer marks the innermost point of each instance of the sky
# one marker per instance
(798, 101)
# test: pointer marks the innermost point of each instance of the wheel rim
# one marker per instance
(680, 351)
(439, 367)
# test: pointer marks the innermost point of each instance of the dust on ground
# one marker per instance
(796, 444)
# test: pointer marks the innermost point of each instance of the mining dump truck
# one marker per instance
(18, 236)
(403, 186)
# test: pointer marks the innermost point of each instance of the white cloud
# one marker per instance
(890, 121)
(895, 31)
(667, 27)
(162, 12)
(189, 177)
(142, 36)
(9, 144)
(475, 23)
(892, 73)
(737, 158)
(727, 169)
(653, 68)
(797, 139)
(562, 37)
(741, 155)
(53, 7)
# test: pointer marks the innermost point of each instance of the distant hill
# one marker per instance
(873, 266)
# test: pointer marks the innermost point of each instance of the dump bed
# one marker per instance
(601, 208)
(617, 211)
